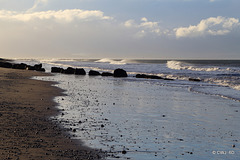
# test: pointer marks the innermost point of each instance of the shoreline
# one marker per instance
(27, 132)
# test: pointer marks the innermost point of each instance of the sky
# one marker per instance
(149, 29)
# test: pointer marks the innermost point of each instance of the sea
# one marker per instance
(150, 119)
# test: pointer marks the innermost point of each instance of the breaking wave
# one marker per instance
(111, 61)
(177, 65)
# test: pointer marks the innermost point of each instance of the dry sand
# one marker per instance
(26, 131)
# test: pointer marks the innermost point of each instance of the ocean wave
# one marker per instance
(232, 83)
(177, 65)
(111, 61)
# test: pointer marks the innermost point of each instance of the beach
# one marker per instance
(148, 119)
(190, 112)
(26, 131)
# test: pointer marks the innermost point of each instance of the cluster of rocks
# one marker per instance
(80, 71)
(23, 66)
(117, 73)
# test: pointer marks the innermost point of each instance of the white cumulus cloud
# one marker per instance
(67, 15)
(210, 26)
(144, 27)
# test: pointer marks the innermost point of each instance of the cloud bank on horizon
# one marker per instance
(44, 30)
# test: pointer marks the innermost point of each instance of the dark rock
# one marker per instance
(124, 152)
(93, 73)
(42, 70)
(194, 79)
(148, 76)
(19, 66)
(169, 79)
(69, 70)
(80, 71)
(154, 77)
(6, 65)
(141, 76)
(56, 70)
(38, 67)
(30, 67)
(120, 73)
(107, 74)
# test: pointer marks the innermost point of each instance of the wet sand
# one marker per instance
(26, 132)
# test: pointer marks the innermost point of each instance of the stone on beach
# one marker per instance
(93, 73)
(69, 70)
(38, 67)
(29, 67)
(56, 70)
(194, 79)
(23, 66)
(5, 64)
(148, 76)
(120, 73)
(80, 71)
(19, 66)
(107, 74)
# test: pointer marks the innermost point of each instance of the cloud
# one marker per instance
(37, 3)
(130, 23)
(67, 15)
(53, 33)
(210, 26)
(144, 27)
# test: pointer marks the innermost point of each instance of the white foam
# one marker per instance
(223, 82)
(175, 65)
(111, 61)
(237, 87)
(181, 66)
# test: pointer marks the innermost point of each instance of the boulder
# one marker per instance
(69, 70)
(6, 65)
(107, 74)
(30, 67)
(148, 76)
(141, 76)
(194, 79)
(42, 70)
(56, 70)
(120, 73)
(19, 66)
(80, 71)
(154, 77)
(168, 79)
(38, 67)
(93, 73)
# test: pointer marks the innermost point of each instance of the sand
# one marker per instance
(26, 130)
